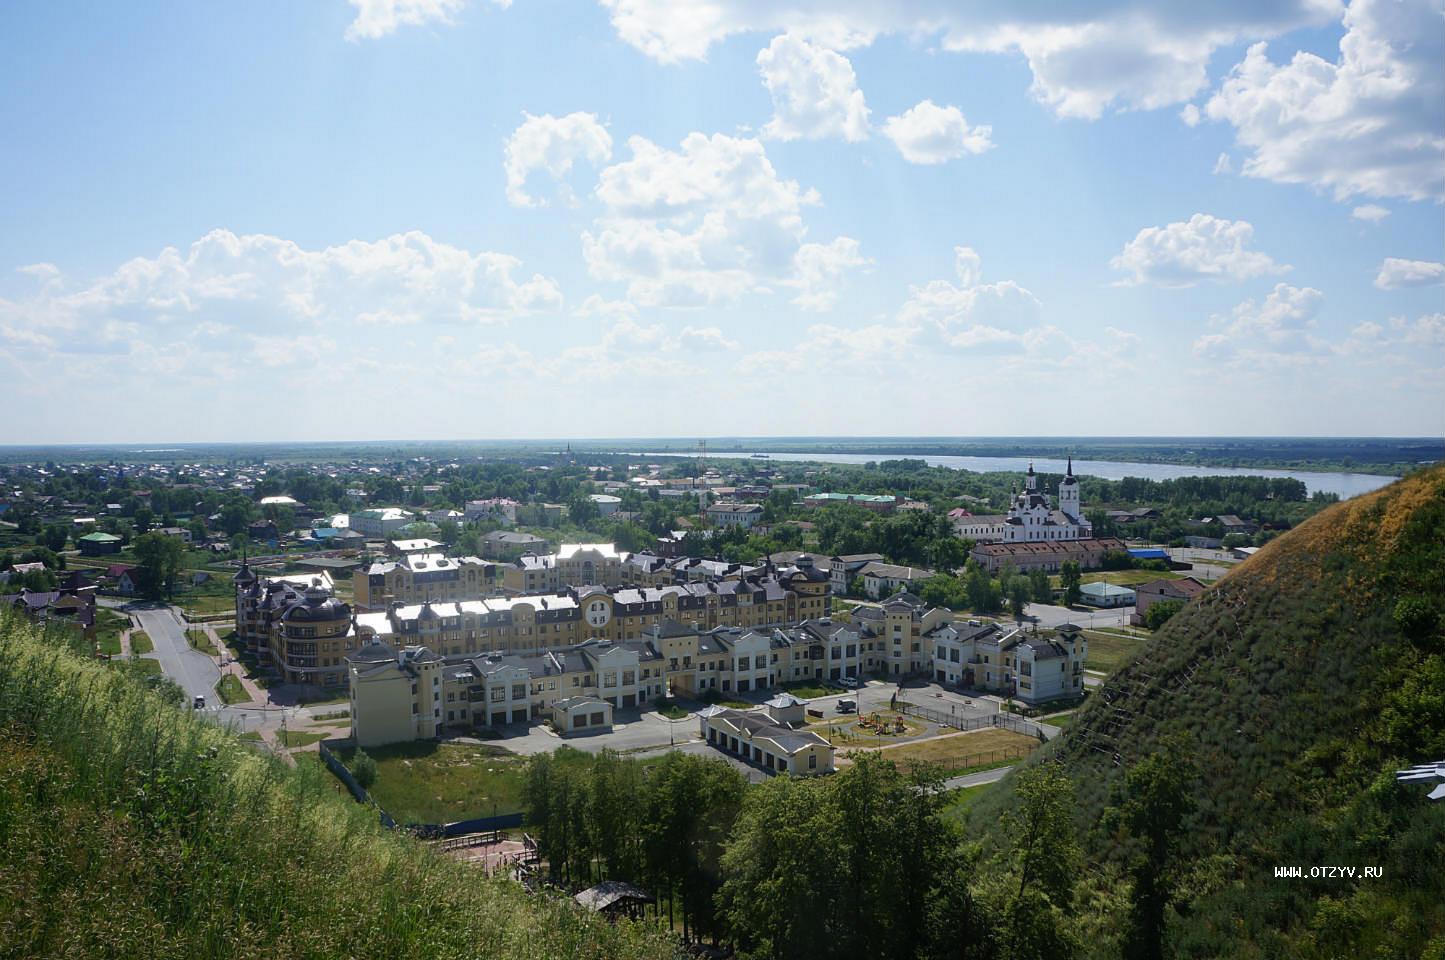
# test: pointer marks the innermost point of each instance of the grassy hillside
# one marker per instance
(1298, 685)
(130, 829)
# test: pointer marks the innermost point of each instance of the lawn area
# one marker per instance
(140, 642)
(960, 752)
(1060, 720)
(299, 738)
(807, 690)
(202, 642)
(670, 709)
(231, 690)
(108, 627)
(249, 735)
(851, 731)
(1110, 651)
(1128, 578)
(425, 782)
(202, 605)
(1122, 578)
(148, 667)
(958, 802)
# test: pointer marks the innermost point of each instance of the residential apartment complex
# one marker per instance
(1027, 666)
(297, 624)
(537, 621)
(573, 565)
(415, 577)
(403, 687)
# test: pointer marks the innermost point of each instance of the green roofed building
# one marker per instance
(1107, 595)
(98, 544)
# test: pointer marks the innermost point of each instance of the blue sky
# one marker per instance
(461, 218)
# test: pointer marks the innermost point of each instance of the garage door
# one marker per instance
(629, 699)
(499, 718)
(519, 716)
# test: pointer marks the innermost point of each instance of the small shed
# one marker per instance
(572, 715)
(785, 709)
(615, 898)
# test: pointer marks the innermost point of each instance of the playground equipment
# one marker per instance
(881, 725)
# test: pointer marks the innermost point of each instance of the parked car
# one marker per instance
(852, 683)
(199, 703)
(847, 705)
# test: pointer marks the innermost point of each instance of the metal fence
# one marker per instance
(357, 790)
(966, 722)
(506, 821)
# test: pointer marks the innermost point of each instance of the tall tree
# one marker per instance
(1158, 800)
(1070, 578)
(158, 563)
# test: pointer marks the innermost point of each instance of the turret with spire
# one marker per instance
(1069, 493)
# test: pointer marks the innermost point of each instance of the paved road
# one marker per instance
(197, 674)
(193, 670)
(977, 779)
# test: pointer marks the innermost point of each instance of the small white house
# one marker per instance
(1107, 595)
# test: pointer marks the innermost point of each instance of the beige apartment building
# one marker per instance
(415, 577)
(501, 688)
(573, 565)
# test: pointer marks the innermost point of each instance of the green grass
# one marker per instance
(958, 802)
(148, 667)
(671, 710)
(299, 738)
(427, 782)
(197, 605)
(231, 690)
(335, 715)
(1298, 685)
(1109, 651)
(112, 800)
(140, 643)
(108, 628)
(807, 690)
(201, 641)
(249, 735)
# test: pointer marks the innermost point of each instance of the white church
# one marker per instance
(1031, 518)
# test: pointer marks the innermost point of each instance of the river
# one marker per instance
(1345, 484)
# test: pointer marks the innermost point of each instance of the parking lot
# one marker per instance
(634, 730)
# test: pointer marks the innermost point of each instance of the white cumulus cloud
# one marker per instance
(706, 222)
(377, 18)
(552, 144)
(1396, 273)
(1184, 253)
(820, 267)
(227, 285)
(1276, 331)
(1370, 123)
(1084, 57)
(815, 93)
(928, 133)
(1370, 212)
